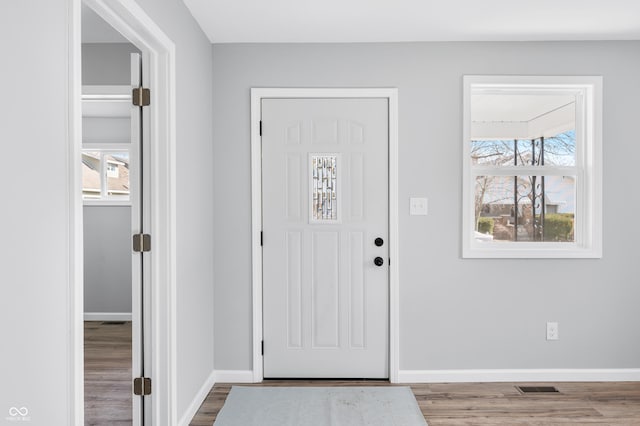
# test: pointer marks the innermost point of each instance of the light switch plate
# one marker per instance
(418, 206)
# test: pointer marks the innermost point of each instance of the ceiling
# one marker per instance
(250, 21)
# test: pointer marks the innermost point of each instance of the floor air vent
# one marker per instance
(537, 389)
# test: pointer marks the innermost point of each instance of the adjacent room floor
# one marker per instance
(490, 403)
(107, 373)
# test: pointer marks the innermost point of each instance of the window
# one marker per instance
(532, 167)
(107, 150)
(105, 175)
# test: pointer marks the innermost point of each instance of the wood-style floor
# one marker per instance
(490, 403)
(107, 373)
(108, 394)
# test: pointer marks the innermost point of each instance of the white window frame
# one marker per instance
(588, 169)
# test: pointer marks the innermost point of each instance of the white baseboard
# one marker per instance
(524, 375)
(197, 401)
(107, 316)
(234, 376)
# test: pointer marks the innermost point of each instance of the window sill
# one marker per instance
(525, 250)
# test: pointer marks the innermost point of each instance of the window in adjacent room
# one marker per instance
(105, 175)
(107, 152)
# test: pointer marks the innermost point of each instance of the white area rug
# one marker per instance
(320, 406)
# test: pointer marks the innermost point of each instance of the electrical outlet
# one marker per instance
(552, 331)
(418, 206)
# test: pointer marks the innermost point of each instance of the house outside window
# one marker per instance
(112, 167)
(532, 167)
(105, 175)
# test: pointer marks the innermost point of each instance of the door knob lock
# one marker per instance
(378, 242)
(378, 261)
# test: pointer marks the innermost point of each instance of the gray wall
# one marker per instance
(106, 63)
(36, 213)
(107, 259)
(35, 273)
(454, 313)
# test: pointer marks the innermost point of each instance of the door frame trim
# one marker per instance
(257, 94)
(128, 18)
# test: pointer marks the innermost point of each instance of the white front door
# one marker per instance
(325, 206)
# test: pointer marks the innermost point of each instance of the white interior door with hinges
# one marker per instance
(141, 261)
(325, 195)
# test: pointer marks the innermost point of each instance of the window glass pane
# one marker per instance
(324, 188)
(492, 152)
(90, 175)
(525, 208)
(105, 175)
(117, 171)
(558, 150)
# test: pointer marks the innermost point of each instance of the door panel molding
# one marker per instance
(257, 94)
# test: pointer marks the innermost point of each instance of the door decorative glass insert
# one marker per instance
(324, 186)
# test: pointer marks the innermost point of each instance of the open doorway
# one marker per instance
(154, 221)
(111, 193)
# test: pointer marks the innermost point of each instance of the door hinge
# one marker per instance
(141, 96)
(141, 243)
(262, 347)
(142, 386)
(260, 127)
(261, 239)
